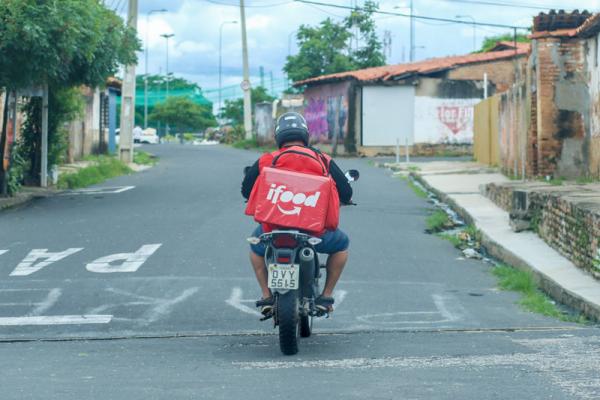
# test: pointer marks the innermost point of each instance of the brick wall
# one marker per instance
(566, 217)
(501, 74)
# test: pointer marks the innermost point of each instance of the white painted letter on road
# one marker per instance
(3, 251)
(131, 261)
(28, 266)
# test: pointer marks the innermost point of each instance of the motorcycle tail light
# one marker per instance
(285, 242)
(284, 260)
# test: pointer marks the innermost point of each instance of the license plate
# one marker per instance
(284, 276)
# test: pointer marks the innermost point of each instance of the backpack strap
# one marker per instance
(318, 158)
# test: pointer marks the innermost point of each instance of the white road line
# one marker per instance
(3, 251)
(131, 261)
(45, 305)
(441, 303)
(92, 191)
(235, 300)
(166, 306)
(339, 296)
(28, 266)
(55, 320)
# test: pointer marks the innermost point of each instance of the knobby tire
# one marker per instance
(287, 316)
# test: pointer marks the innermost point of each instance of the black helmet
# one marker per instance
(291, 126)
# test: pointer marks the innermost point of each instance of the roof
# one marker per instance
(554, 20)
(509, 45)
(400, 71)
(583, 25)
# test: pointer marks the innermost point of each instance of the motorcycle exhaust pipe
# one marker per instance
(307, 255)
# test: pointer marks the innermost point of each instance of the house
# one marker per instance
(548, 123)
(427, 103)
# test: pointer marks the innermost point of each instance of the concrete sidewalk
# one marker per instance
(458, 184)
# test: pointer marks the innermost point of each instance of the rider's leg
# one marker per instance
(335, 265)
(258, 263)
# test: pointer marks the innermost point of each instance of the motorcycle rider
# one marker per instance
(292, 131)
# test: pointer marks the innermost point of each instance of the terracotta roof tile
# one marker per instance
(560, 20)
(425, 67)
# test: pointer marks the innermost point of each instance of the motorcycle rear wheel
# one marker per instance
(287, 317)
(306, 326)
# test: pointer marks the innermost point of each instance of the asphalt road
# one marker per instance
(141, 289)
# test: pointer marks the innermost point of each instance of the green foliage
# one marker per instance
(371, 52)
(104, 168)
(437, 221)
(16, 174)
(66, 42)
(144, 158)
(233, 110)
(490, 41)
(326, 48)
(64, 104)
(533, 299)
(181, 113)
(189, 137)
(452, 238)
(417, 189)
(246, 144)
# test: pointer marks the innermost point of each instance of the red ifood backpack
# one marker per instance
(295, 190)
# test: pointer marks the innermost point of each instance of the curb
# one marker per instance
(546, 284)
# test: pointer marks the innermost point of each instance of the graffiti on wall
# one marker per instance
(444, 120)
(326, 112)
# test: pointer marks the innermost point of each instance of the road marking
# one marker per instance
(28, 266)
(131, 261)
(339, 296)
(55, 320)
(404, 317)
(45, 305)
(160, 306)
(236, 301)
(93, 191)
(3, 251)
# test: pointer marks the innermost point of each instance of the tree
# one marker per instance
(233, 110)
(370, 54)
(327, 49)
(490, 41)
(61, 44)
(183, 114)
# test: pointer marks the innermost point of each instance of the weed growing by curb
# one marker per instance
(104, 168)
(143, 158)
(512, 279)
(437, 221)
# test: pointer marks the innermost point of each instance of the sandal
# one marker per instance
(266, 306)
(324, 304)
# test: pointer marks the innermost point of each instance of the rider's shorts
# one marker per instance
(333, 242)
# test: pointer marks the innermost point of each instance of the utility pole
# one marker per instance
(412, 32)
(167, 36)
(221, 60)
(246, 82)
(262, 75)
(44, 167)
(128, 99)
(162, 10)
(271, 78)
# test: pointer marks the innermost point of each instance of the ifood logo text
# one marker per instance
(279, 194)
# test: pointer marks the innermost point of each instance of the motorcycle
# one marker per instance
(294, 271)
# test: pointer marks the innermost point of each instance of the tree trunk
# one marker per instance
(3, 137)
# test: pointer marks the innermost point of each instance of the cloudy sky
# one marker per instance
(194, 50)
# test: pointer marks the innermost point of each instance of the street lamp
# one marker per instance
(167, 36)
(474, 29)
(221, 58)
(162, 10)
(289, 54)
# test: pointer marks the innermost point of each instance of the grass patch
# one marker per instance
(104, 168)
(246, 144)
(437, 221)
(416, 189)
(533, 299)
(554, 181)
(585, 180)
(454, 239)
(413, 168)
(143, 158)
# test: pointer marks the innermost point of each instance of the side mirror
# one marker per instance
(352, 175)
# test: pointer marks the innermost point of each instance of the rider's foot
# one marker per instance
(266, 305)
(324, 303)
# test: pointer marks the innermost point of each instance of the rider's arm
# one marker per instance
(249, 180)
(343, 187)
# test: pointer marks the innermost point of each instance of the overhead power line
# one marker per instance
(249, 5)
(416, 17)
(501, 4)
